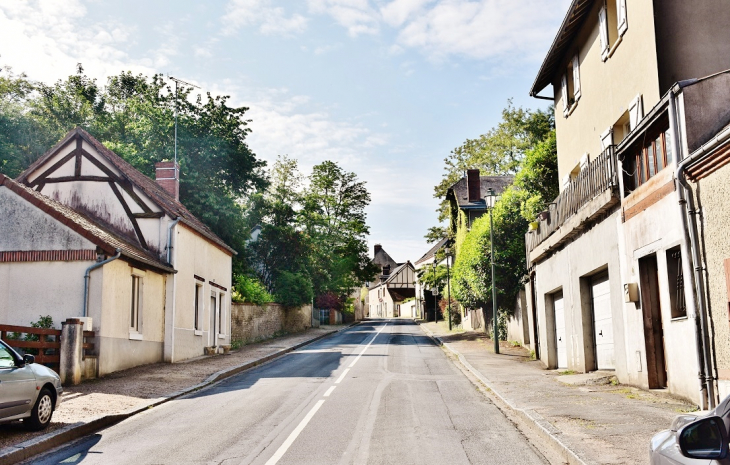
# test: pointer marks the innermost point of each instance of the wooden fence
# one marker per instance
(44, 344)
(598, 176)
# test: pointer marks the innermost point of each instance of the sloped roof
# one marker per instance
(85, 227)
(460, 192)
(572, 22)
(383, 259)
(432, 251)
(154, 191)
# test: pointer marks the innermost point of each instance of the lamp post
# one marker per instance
(448, 282)
(435, 292)
(491, 199)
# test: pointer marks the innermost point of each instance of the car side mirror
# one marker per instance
(28, 359)
(705, 438)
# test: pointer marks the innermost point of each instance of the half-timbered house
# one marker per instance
(84, 234)
(394, 287)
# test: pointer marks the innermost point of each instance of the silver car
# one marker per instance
(28, 391)
(694, 439)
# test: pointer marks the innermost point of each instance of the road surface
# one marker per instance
(378, 393)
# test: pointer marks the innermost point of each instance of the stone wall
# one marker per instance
(250, 323)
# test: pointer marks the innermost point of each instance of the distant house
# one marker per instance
(425, 299)
(84, 234)
(392, 289)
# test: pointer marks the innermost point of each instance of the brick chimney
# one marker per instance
(474, 185)
(377, 249)
(167, 175)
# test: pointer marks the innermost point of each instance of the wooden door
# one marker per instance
(653, 330)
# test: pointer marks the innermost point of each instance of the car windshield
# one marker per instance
(6, 358)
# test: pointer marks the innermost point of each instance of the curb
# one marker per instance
(534, 420)
(35, 446)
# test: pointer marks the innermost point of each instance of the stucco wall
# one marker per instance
(596, 250)
(607, 88)
(712, 193)
(119, 346)
(195, 256)
(251, 323)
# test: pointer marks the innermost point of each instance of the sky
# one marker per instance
(385, 88)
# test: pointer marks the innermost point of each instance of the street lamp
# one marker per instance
(491, 199)
(448, 282)
(435, 292)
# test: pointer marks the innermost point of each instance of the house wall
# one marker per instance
(692, 38)
(653, 232)
(564, 271)
(518, 321)
(250, 323)
(382, 307)
(119, 346)
(196, 256)
(711, 194)
(607, 88)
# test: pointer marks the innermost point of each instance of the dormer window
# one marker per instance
(613, 24)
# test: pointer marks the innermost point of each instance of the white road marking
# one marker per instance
(294, 434)
(342, 376)
(329, 391)
(366, 347)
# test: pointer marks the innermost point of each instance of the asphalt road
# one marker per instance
(378, 393)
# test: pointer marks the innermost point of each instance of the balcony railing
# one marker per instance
(599, 176)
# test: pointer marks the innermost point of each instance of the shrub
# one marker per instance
(247, 289)
(294, 289)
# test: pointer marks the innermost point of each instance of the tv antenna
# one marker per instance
(177, 83)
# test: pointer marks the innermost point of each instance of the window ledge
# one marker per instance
(135, 336)
(221, 336)
(680, 318)
(570, 110)
(608, 54)
(198, 332)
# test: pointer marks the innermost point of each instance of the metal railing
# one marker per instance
(599, 175)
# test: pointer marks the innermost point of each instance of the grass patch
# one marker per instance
(567, 372)
(515, 343)
(533, 356)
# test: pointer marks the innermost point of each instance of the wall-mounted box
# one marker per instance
(631, 292)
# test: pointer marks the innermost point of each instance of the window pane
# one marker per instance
(642, 163)
(650, 159)
(197, 306)
(6, 358)
(668, 145)
(134, 300)
(659, 153)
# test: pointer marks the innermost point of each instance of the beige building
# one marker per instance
(83, 234)
(387, 296)
(608, 260)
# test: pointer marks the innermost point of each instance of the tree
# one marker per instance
(497, 152)
(333, 216)
(133, 115)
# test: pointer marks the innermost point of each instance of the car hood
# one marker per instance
(42, 372)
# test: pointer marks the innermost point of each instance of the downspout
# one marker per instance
(689, 224)
(170, 227)
(87, 278)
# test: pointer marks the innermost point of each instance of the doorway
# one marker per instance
(560, 340)
(653, 330)
(602, 322)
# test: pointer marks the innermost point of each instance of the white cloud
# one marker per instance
(357, 16)
(269, 19)
(397, 12)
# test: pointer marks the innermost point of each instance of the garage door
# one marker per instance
(560, 330)
(602, 322)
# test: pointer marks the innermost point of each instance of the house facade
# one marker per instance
(387, 296)
(118, 250)
(609, 264)
(425, 298)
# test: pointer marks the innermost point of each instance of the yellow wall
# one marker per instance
(607, 88)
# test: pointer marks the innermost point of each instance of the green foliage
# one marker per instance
(134, 116)
(293, 289)
(247, 289)
(44, 322)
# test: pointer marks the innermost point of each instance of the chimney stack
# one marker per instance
(377, 249)
(474, 185)
(167, 175)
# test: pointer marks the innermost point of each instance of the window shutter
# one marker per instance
(576, 77)
(603, 33)
(636, 112)
(566, 103)
(606, 139)
(623, 25)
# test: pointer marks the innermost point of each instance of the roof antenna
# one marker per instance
(185, 83)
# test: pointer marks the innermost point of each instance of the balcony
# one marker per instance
(588, 196)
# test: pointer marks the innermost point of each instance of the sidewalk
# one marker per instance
(111, 398)
(596, 423)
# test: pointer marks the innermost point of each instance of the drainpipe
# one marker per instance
(170, 227)
(689, 224)
(87, 277)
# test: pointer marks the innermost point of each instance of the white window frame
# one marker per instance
(198, 309)
(603, 32)
(221, 315)
(607, 138)
(623, 24)
(566, 97)
(136, 306)
(576, 77)
(636, 112)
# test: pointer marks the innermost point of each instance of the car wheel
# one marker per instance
(42, 411)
